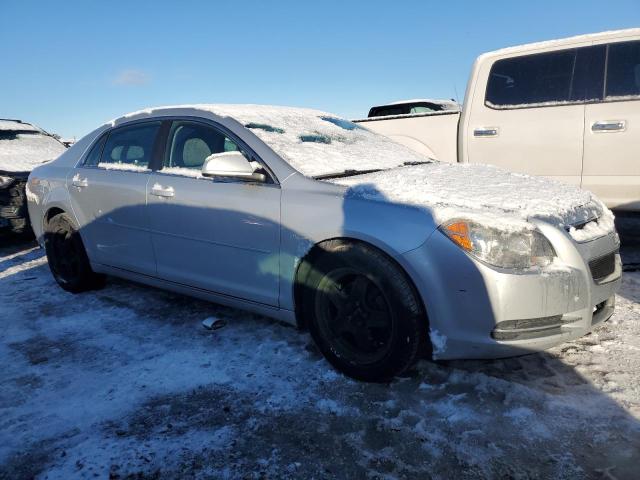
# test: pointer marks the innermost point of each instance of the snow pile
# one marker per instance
(25, 151)
(480, 193)
(311, 141)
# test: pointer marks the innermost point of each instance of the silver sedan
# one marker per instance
(381, 253)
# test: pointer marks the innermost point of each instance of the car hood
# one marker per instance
(481, 193)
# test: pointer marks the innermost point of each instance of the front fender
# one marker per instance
(315, 213)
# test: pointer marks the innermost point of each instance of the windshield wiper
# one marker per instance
(411, 164)
(346, 173)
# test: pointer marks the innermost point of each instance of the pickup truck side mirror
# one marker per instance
(232, 165)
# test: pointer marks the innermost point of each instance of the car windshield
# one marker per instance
(319, 144)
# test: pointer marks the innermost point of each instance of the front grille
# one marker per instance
(603, 266)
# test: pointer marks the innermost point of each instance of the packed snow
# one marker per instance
(127, 383)
(23, 152)
(482, 193)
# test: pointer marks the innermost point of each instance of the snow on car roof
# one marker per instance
(16, 125)
(311, 141)
(589, 37)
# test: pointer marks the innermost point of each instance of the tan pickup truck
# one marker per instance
(567, 109)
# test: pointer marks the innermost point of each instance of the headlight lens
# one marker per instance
(5, 181)
(516, 250)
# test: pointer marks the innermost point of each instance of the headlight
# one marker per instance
(5, 182)
(517, 250)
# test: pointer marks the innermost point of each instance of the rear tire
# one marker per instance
(67, 257)
(362, 311)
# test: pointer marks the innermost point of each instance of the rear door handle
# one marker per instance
(162, 191)
(76, 181)
(609, 126)
(485, 132)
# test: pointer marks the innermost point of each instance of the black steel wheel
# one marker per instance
(362, 310)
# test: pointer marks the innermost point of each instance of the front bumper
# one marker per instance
(477, 311)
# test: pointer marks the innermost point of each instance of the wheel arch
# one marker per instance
(306, 263)
(52, 212)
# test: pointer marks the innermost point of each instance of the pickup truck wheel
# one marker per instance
(67, 257)
(363, 312)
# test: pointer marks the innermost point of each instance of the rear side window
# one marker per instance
(623, 70)
(93, 159)
(129, 148)
(531, 80)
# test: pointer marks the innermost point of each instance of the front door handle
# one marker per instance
(609, 126)
(485, 132)
(162, 191)
(76, 181)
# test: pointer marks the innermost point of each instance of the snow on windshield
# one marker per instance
(319, 143)
(22, 151)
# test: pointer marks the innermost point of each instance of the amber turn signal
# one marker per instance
(459, 233)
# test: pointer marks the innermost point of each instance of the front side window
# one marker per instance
(190, 144)
(128, 148)
(531, 80)
(623, 70)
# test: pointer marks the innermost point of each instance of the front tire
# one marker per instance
(362, 311)
(67, 257)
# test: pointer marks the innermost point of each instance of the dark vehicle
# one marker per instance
(22, 148)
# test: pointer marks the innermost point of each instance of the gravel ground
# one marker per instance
(126, 383)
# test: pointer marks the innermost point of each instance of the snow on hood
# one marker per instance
(484, 194)
(22, 152)
(312, 141)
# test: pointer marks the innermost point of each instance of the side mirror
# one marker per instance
(232, 165)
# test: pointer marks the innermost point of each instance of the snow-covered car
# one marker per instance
(22, 147)
(382, 253)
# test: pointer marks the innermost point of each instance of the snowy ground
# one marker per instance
(126, 383)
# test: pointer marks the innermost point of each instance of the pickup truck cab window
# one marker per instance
(531, 79)
(623, 70)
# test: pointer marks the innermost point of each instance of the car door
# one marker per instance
(219, 235)
(525, 120)
(612, 131)
(108, 195)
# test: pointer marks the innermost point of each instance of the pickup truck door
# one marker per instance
(525, 121)
(612, 132)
